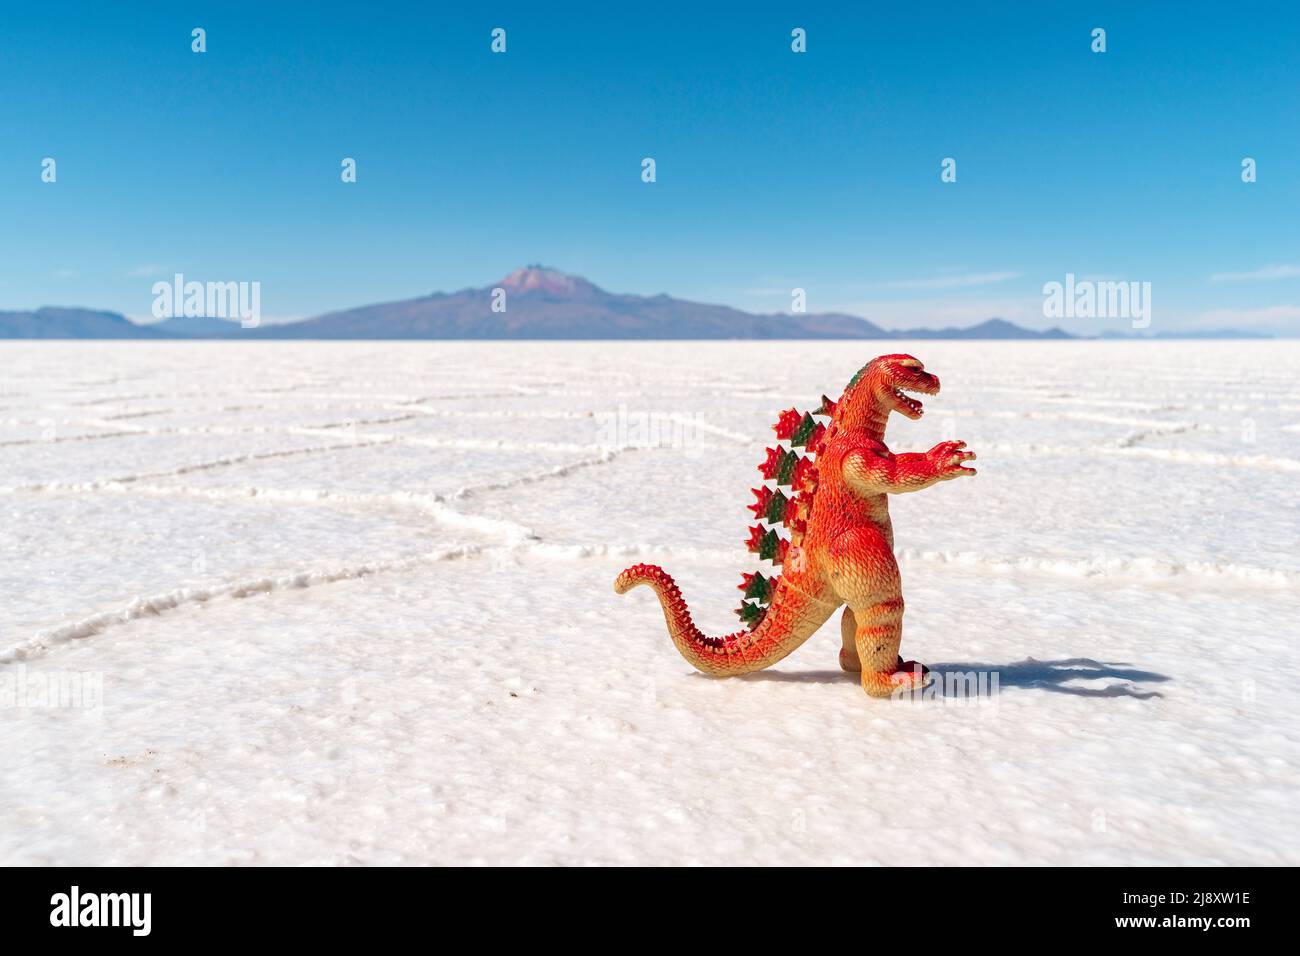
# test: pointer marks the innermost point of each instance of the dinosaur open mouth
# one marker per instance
(909, 404)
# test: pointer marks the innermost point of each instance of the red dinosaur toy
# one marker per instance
(840, 550)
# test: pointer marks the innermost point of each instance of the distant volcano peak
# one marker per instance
(545, 281)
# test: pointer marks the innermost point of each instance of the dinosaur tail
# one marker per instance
(790, 620)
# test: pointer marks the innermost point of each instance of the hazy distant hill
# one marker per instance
(1192, 334)
(52, 322)
(197, 327)
(988, 329)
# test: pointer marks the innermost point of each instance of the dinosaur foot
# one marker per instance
(907, 676)
(850, 661)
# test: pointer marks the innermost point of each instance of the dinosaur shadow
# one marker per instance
(1054, 676)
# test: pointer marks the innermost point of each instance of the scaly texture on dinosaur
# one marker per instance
(841, 545)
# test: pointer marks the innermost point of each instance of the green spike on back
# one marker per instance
(785, 468)
(770, 547)
(776, 506)
(805, 430)
(759, 589)
(751, 614)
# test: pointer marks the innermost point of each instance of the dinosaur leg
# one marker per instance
(849, 659)
(884, 672)
(867, 579)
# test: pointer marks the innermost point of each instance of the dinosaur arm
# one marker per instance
(875, 470)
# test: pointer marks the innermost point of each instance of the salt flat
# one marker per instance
(351, 604)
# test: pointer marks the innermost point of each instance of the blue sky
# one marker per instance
(774, 169)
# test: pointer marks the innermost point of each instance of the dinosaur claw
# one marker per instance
(912, 676)
(908, 676)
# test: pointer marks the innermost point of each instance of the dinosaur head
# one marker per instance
(881, 387)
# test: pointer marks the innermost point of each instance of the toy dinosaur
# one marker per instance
(840, 550)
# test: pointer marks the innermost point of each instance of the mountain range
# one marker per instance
(539, 303)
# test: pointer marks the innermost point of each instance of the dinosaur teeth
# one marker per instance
(910, 402)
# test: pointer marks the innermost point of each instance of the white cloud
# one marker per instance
(1265, 274)
(954, 281)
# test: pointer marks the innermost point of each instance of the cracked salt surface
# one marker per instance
(351, 603)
